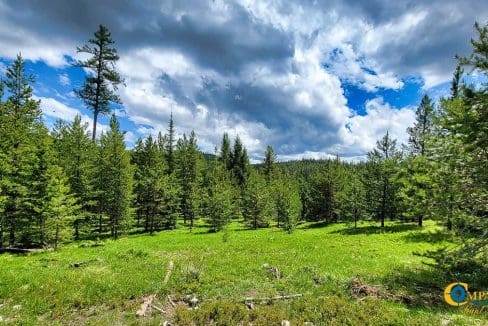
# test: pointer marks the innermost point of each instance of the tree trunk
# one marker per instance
(77, 229)
(355, 218)
(11, 238)
(100, 222)
(1, 235)
(95, 118)
(420, 220)
(56, 238)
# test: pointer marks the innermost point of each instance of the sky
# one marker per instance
(313, 79)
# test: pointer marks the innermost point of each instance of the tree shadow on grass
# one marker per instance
(372, 229)
(314, 225)
(423, 287)
(430, 237)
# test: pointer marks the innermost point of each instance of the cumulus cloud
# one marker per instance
(54, 109)
(362, 131)
(269, 71)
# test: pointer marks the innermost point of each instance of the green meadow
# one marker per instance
(363, 276)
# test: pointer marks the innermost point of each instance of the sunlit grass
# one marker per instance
(104, 285)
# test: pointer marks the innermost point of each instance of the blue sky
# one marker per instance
(311, 79)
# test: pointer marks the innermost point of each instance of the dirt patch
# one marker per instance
(361, 290)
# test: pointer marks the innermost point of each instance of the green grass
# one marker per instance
(220, 269)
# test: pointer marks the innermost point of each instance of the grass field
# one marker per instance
(82, 284)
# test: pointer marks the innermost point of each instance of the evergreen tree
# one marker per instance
(415, 191)
(288, 204)
(76, 155)
(2, 91)
(422, 128)
(58, 208)
(19, 84)
(161, 143)
(351, 198)
(170, 145)
(138, 160)
(240, 162)
(460, 152)
(269, 163)
(150, 192)
(381, 187)
(21, 132)
(189, 169)
(323, 195)
(218, 198)
(414, 174)
(257, 202)
(98, 90)
(171, 200)
(456, 79)
(225, 152)
(116, 176)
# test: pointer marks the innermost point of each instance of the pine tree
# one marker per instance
(269, 163)
(20, 131)
(413, 175)
(257, 202)
(58, 208)
(287, 203)
(460, 151)
(151, 180)
(161, 143)
(19, 84)
(225, 152)
(188, 172)
(2, 91)
(138, 160)
(381, 187)
(456, 79)
(351, 198)
(116, 175)
(171, 197)
(240, 162)
(170, 145)
(76, 155)
(98, 90)
(422, 128)
(323, 195)
(218, 198)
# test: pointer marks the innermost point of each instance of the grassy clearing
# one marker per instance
(105, 285)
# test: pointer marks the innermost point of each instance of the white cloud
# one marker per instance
(64, 79)
(364, 130)
(54, 109)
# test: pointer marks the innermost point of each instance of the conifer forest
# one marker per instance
(161, 230)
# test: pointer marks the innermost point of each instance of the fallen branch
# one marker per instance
(158, 309)
(168, 273)
(171, 301)
(279, 297)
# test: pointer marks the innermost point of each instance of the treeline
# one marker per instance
(65, 184)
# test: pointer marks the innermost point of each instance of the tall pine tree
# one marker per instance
(100, 86)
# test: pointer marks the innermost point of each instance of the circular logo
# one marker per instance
(456, 294)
